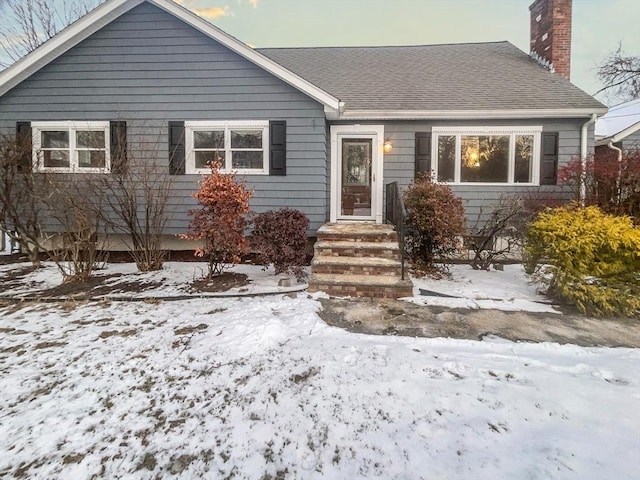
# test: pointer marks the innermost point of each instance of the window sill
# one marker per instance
(206, 171)
(489, 184)
(70, 171)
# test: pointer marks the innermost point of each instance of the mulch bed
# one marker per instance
(220, 283)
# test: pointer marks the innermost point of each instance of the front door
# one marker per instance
(356, 156)
(356, 173)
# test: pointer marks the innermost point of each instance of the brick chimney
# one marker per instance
(551, 34)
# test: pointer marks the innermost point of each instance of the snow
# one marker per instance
(618, 118)
(173, 280)
(253, 388)
(508, 290)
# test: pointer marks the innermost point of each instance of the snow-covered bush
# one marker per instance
(593, 257)
(280, 236)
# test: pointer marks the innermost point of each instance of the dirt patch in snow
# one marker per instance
(392, 317)
(69, 289)
(220, 283)
(14, 278)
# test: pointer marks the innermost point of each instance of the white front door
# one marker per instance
(356, 173)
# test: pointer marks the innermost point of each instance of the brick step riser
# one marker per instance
(375, 238)
(362, 291)
(394, 271)
(393, 254)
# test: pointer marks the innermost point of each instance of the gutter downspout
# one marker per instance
(583, 158)
(619, 175)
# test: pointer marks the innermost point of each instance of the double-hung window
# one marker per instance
(238, 146)
(486, 155)
(71, 147)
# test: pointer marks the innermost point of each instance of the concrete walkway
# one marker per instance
(393, 317)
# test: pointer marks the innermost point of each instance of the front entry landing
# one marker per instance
(358, 260)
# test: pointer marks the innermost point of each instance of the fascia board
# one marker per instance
(468, 114)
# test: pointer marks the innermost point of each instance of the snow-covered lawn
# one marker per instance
(507, 290)
(174, 279)
(262, 388)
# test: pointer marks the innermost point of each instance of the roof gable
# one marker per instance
(112, 9)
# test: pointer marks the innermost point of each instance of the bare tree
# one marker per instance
(26, 24)
(23, 196)
(620, 75)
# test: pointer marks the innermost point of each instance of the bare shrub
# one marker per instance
(501, 233)
(75, 208)
(135, 196)
(23, 194)
(280, 236)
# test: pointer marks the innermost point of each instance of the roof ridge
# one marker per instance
(386, 46)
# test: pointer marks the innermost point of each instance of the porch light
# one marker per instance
(387, 146)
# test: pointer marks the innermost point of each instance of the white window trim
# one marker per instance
(72, 127)
(227, 126)
(512, 132)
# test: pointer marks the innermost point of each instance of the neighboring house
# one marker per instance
(317, 129)
(6, 245)
(619, 129)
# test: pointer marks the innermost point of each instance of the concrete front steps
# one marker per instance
(358, 260)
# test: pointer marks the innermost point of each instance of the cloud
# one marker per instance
(212, 12)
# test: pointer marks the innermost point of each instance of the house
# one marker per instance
(619, 128)
(322, 130)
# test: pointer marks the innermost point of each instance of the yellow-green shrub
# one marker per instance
(594, 258)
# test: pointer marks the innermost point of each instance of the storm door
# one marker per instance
(356, 173)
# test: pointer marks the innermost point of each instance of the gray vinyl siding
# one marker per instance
(632, 142)
(148, 68)
(478, 199)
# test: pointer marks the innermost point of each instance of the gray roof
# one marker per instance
(470, 76)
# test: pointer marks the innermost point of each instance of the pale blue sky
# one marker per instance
(598, 25)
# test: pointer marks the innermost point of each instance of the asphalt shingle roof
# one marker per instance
(471, 76)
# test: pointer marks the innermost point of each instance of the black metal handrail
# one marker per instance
(397, 216)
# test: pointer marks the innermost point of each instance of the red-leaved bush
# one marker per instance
(219, 221)
(280, 236)
(612, 185)
(437, 221)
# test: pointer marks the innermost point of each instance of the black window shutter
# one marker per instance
(549, 159)
(277, 147)
(423, 153)
(24, 143)
(176, 148)
(118, 147)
